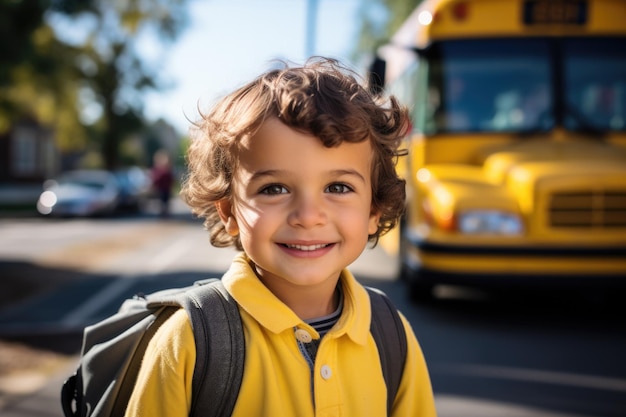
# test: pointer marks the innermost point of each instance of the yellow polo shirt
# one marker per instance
(346, 379)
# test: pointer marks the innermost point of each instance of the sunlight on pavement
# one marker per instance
(537, 376)
(450, 405)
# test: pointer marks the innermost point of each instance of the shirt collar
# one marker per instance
(258, 301)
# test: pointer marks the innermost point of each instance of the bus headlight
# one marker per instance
(489, 222)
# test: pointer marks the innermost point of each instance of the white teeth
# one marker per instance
(306, 247)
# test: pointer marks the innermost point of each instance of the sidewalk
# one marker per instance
(36, 393)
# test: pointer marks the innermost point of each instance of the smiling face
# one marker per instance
(303, 211)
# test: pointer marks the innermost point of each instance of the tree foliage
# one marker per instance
(79, 65)
(34, 74)
(380, 19)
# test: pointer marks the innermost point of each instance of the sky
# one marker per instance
(229, 42)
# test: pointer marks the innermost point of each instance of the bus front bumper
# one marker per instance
(458, 265)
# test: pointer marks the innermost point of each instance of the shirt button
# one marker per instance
(326, 372)
(303, 336)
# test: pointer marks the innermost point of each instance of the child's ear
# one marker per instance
(372, 227)
(224, 209)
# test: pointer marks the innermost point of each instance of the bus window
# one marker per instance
(595, 84)
(489, 85)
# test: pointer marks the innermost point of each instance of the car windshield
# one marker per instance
(507, 85)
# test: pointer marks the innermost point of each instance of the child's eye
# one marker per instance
(273, 189)
(338, 188)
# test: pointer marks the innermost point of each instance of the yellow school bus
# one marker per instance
(516, 170)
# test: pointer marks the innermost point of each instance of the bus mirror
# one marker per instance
(426, 52)
(376, 76)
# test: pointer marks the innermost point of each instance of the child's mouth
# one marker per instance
(306, 248)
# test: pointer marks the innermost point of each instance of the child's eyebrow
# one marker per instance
(334, 173)
(265, 173)
(353, 172)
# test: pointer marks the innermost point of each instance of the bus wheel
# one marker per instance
(420, 292)
(410, 271)
(403, 244)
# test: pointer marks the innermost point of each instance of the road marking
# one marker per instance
(536, 375)
(113, 291)
(169, 255)
(454, 405)
(77, 316)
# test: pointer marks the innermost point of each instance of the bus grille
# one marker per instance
(588, 209)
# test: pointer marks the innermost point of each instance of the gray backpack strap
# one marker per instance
(388, 332)
(220, 348)
(127, 384)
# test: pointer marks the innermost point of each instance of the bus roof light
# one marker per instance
(425, 18)
(460, 10)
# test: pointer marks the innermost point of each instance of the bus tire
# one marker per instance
(420, 289)
(420, 292)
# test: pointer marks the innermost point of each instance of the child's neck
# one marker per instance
(309, 308)
(307, 302)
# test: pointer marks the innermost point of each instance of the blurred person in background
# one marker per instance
(162, 180)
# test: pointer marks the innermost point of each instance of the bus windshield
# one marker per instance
(507, 85)
(595, 84)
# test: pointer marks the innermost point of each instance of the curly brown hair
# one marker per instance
(322, 98)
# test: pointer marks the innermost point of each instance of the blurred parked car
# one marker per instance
(135, 188)
(80, 193)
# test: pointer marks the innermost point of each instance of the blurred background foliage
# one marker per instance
(379, 20)
(75, 66)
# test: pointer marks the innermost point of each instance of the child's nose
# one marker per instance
(307, 211)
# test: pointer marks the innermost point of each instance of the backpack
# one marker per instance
(112, 350)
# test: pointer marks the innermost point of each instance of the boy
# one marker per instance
(295, 169)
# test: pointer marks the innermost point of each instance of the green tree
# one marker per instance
(35, 79)
(77, 65)
(118, 74)
(380, 19)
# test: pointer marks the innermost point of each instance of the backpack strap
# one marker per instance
(219, 338)
(388, 332)
(127, 384)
